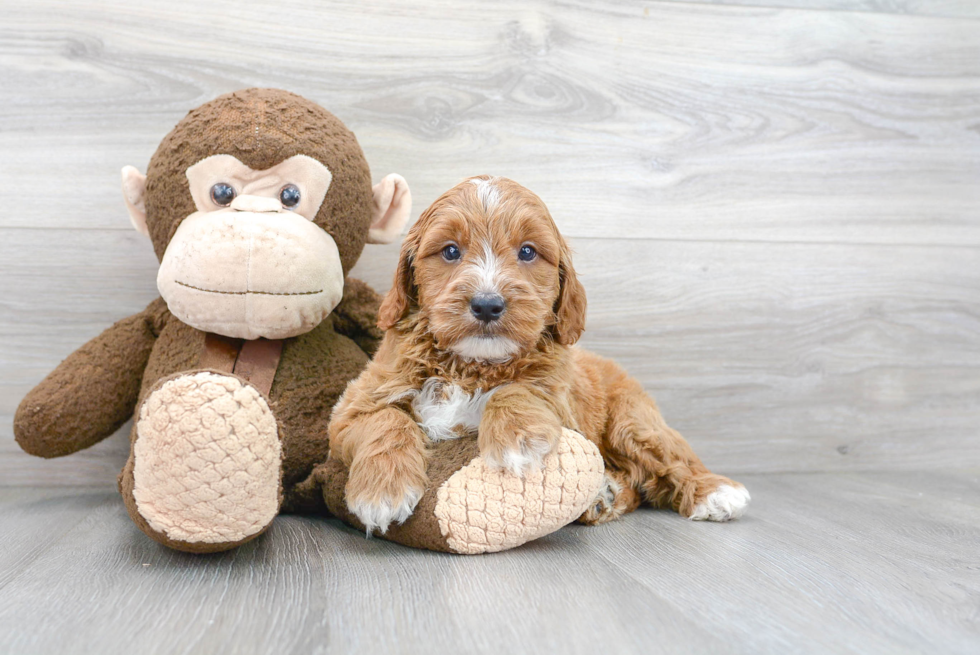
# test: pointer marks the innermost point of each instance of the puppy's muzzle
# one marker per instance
(487, 307)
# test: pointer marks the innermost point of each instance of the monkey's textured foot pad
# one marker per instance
(208, 461)
(484, 509)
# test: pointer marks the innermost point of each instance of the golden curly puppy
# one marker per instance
(480, 324)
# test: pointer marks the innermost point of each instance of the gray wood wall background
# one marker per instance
(775, 204)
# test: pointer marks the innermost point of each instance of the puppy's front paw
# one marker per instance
(519, 450)
(725, 503)
(381, 513)
(380, 493)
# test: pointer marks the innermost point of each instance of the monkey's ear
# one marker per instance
(134, 187)
(392, 206)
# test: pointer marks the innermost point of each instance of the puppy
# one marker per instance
(480, 320)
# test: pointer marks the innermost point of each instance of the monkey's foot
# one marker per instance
(482, 508)
(206, 463)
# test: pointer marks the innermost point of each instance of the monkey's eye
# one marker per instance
(526, 253)
(222, 194)
(289, 196)
(451, 252)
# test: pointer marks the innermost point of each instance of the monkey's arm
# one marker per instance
(92, 392)
(356, 317)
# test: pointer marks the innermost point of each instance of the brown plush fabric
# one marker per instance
(421, 530)
(357, 315)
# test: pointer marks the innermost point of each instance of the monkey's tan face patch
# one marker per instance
(309, 176)
(252, 267)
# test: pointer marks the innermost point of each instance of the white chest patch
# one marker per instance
(445, 411)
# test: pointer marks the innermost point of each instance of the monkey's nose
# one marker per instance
(487, 307)
(256, 204)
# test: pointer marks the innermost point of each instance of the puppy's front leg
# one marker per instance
(385, 452)
(518, 429)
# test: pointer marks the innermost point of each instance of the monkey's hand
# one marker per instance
(90, 394)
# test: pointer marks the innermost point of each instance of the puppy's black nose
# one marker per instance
(487, 307)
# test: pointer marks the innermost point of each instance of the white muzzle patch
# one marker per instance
(494, 350)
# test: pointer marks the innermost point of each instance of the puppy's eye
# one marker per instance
(526, 253)
(451, 252)
(222, 194)
(289, 196)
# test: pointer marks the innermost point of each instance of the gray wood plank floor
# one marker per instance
(775, 210)
(842, 563)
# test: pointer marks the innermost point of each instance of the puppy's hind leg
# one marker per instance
(616, 497)
(658, 462)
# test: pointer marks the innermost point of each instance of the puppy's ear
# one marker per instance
(402, 294)
(571, 303)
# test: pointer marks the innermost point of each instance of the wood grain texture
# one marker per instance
(844, 563)
(775, 211)
(946, 8)
(24, 538)
(869, 563)
(654, 120)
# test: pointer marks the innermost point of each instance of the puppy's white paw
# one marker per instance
(723, 504)
(380, 515)
(520, 462)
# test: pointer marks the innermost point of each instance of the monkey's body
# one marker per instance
(106, 382)
(313, 371)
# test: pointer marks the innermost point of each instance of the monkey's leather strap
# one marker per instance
(255, 361)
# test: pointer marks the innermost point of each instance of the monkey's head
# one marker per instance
(258, 204)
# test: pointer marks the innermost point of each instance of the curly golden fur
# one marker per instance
(493, 236)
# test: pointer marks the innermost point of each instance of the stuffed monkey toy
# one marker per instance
(258, 204)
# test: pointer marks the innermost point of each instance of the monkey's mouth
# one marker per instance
(248, 292)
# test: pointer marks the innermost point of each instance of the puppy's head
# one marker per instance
(486, 266)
